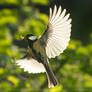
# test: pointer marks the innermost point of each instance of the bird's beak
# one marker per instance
(22, 37)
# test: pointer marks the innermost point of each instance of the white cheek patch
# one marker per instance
(32, 37)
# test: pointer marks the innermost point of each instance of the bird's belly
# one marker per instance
(32, 54)
(40, 49)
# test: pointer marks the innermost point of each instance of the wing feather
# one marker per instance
(30, 65)
(57, 33)
(54, 13)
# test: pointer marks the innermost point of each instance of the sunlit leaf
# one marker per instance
(9, 1)
(43, 2)
(83, 51)
(57, 89)
(5, 87)
(74, 44)
(6, 20)
(13, 79)
(1, 71)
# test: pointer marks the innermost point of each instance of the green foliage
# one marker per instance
(9, 1)
(43, 2)
(73, 68)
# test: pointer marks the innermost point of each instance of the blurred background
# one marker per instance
(73, 68)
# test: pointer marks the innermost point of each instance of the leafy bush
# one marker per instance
(73, 68)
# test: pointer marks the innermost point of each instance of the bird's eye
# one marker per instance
(32, 37)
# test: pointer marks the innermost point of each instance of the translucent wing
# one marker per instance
(31, 65)
(57, 33)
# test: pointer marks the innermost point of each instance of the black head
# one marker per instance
(30, 37)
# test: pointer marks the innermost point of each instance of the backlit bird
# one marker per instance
(51, 44)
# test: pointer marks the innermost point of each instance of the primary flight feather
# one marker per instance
(52, 43)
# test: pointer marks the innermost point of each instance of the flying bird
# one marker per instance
(52, 43)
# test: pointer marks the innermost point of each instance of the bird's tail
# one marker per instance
(50, 75)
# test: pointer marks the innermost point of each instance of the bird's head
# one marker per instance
(29, 37)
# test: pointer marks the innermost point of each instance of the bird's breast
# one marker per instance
(39, 48)
(32, 53)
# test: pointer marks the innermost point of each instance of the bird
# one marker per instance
(52, 43)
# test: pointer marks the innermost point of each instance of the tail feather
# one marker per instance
(33, 66)
(50, 84)
(52, 81)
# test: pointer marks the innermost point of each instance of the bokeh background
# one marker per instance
(73, 68)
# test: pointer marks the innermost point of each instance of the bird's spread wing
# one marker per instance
(31, 65)
(57, 33)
